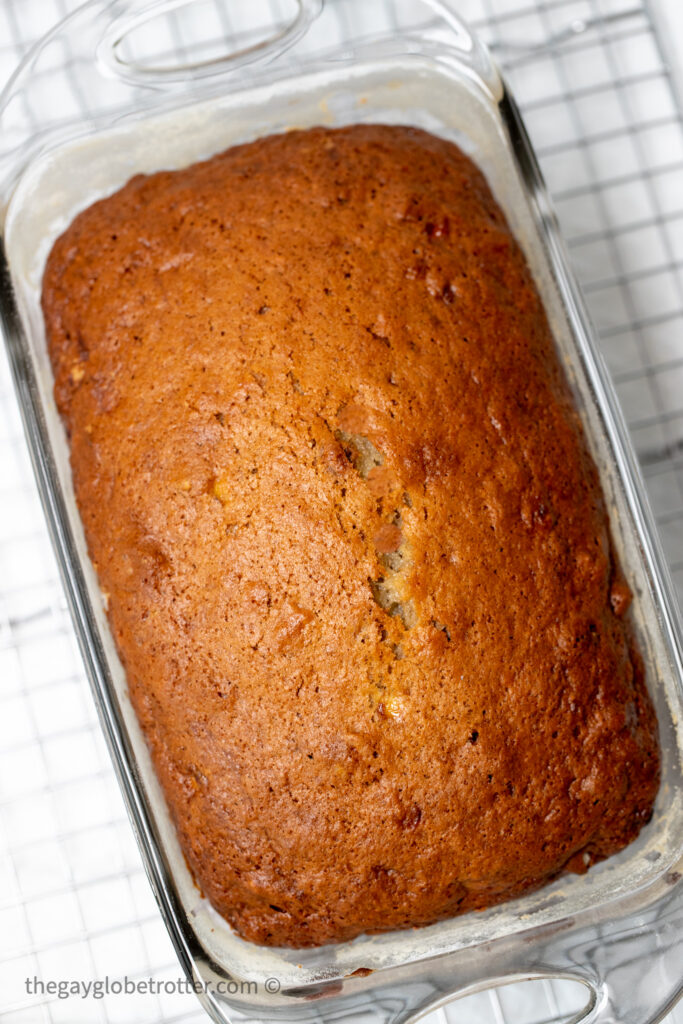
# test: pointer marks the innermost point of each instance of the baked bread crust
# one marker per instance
(355, 550)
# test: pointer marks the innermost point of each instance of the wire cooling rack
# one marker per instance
(601, 108)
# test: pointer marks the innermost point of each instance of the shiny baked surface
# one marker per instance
(355, 550)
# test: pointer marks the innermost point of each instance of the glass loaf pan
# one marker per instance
(430, 71)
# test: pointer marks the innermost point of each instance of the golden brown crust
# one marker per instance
(356, 553)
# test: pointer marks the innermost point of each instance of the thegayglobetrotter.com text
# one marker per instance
(73, 988)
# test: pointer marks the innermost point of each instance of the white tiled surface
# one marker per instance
(74, 901)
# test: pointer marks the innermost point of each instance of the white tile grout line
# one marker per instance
(498, 1015)
(551, 997)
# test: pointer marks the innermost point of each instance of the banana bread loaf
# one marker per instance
(355, 551)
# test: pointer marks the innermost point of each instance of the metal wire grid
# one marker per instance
(600, 105)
